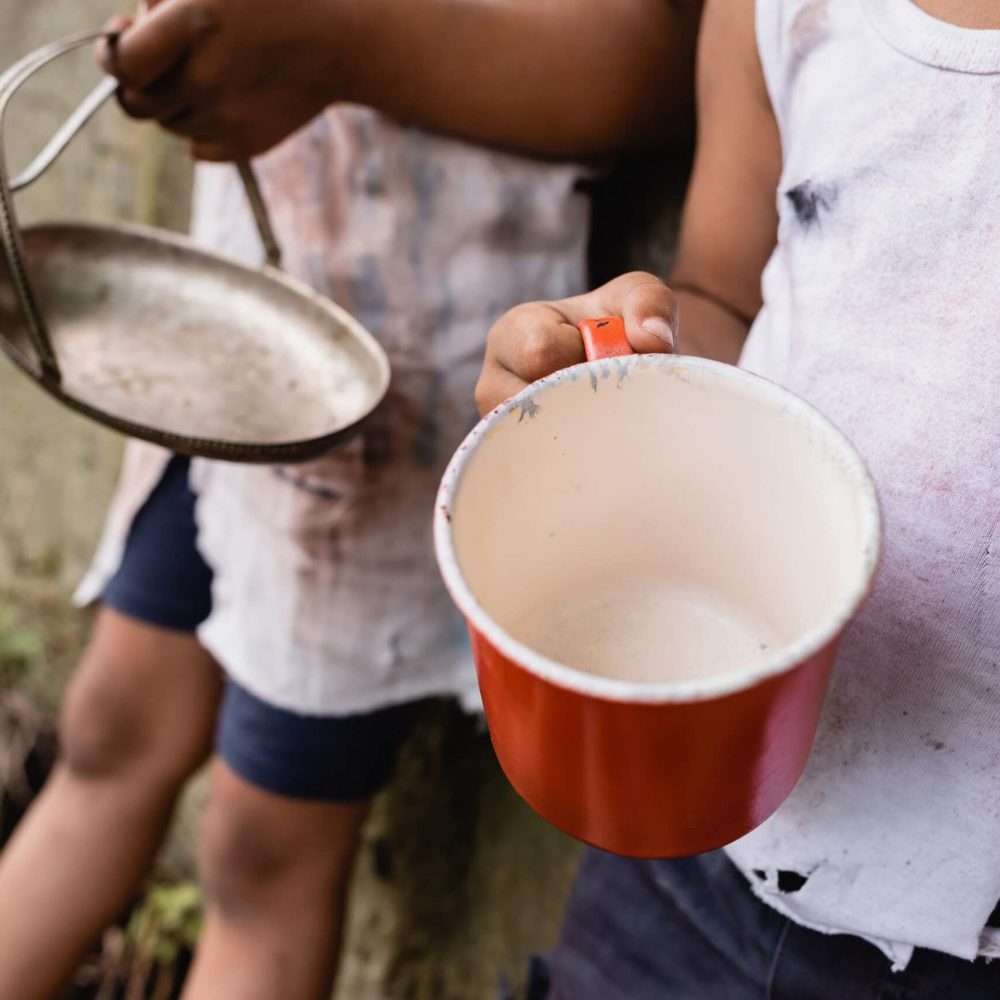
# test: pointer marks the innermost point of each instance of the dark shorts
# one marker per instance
(692, 929)
(164, 581)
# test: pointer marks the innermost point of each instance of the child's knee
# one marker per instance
(239, 862)
(101, 731)
(251, 857)
(108, 729)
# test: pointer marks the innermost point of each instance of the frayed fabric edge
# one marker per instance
(989, 944)
(898, 954)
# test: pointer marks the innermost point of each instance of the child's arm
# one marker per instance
(727, 234)
(552, 77)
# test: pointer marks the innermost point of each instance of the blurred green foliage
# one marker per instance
(20, 646)
(166, 923)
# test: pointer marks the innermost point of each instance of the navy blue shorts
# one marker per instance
(692, 929)
(164, 581)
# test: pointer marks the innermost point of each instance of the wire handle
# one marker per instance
(272, 251)
(55, 147)
(10, 232)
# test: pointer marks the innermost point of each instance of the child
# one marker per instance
(325, 612)
(839, 237)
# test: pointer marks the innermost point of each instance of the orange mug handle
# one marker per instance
(604, 338)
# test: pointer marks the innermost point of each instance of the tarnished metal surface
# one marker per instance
(153, 337)
(173, 344)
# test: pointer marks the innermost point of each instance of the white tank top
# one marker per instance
(327, 599)
(882, 307)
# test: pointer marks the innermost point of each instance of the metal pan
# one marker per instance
(145, 333)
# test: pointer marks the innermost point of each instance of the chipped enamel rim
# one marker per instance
(783, 660)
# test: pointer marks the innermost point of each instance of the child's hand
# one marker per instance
(537, 339)
(235, 77)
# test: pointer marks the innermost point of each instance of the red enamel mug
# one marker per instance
(656, 556)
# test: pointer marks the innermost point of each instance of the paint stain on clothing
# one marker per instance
(811, 201)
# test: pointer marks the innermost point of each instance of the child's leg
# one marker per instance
(289, 795)
(277, 871)
(137, 721)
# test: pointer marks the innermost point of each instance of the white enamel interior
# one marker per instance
(657, 528)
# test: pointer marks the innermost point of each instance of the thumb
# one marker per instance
(651, 317)
(105, 46)
(159, 41)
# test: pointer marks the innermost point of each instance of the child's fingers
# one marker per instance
(526, 344)
(535, 340)
(103, 48)
(212, 152)
(539, 338)
(164, 100)
(651, 318)
(204, 125)
(158, 42)
(647, 305)
(496, 385)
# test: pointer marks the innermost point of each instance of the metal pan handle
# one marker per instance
(10, 233)
(55, 147)
(272, 250)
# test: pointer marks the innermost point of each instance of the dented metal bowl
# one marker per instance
(150, 335)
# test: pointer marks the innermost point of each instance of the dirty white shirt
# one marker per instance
(882, 307)
(326, 597)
